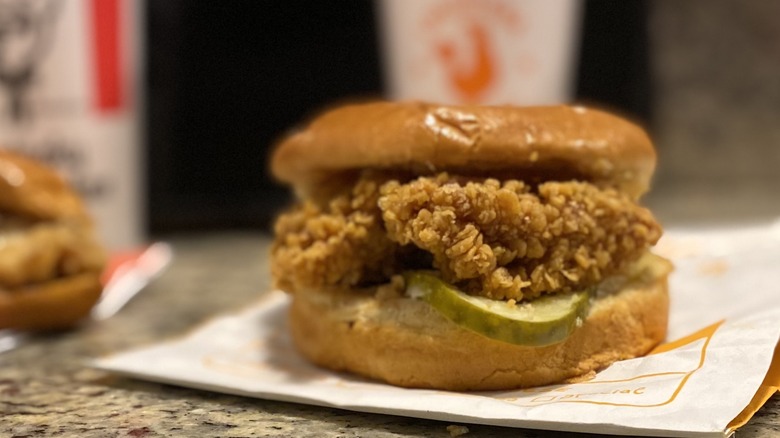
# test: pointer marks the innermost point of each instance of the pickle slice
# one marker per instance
(543, 321)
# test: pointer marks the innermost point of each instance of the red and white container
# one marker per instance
(69, 73)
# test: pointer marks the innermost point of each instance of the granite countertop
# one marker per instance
(46, 388)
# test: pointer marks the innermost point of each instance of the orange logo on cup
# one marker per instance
(470, 81)
(468, 48)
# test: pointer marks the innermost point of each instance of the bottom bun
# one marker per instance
(405, 342)
(54, 304)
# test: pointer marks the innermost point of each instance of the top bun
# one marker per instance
(556, 142)
(33, 190)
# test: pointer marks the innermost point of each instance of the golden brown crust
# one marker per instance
(508, 242)
(406, 343)
(54, 304)
(33, 190)
(549, 142)
(37, 252)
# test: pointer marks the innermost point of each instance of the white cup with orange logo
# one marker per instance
(481, 51)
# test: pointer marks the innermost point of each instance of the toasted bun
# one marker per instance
(546, 142)
(33, 190)
(405, 342)
(54, 304)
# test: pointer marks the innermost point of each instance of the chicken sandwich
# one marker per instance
(50, 261)
(469, 248)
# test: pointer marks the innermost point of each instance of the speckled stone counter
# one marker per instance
(47, 390)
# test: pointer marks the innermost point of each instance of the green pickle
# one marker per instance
(543, 321)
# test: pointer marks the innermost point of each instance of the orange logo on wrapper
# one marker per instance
(464, 38)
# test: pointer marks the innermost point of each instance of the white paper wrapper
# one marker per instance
(725, 319)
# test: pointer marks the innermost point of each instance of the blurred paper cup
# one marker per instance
(69, 97)
(481, 51)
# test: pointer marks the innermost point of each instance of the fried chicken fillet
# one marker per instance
(505, 203)
(497, 239)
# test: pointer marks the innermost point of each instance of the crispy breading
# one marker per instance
(511, 240)
(341, 244)
(503, 240)
(40, 251)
